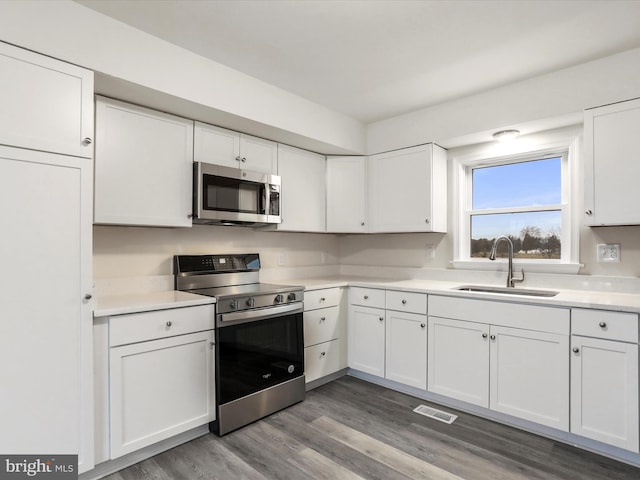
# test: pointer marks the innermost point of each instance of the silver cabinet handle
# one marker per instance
(589, 212)
(212, 344)
(323, 354)
(422, 325)
(404, 302)
(492, 337)
(362, 224)
(484, 335)
(322, 299)
(366, 297)
(575, 349)
(87, 141)
(602, 325)
(381, 319)
(169, 323)
(243, 159)
(238, 158)
(322, 319)
(426, 220)
(88, 296)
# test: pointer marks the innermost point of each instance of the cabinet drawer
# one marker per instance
(603, 324)
(321, 360)
(321, 325)
(138, 327)
(369, 297)
(326, 297)
(406, 302)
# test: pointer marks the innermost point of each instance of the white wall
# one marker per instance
(141, 67)
(139, 251)
(547, 101)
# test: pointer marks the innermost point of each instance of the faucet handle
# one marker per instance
(518, 280)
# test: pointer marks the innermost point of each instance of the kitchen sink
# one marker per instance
(507, 291)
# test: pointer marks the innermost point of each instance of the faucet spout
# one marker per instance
(492, 256)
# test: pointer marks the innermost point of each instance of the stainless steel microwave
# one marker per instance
(231, 196)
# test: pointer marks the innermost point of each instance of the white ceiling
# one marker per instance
(373, 59)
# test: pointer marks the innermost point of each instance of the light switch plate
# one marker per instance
(609, 252)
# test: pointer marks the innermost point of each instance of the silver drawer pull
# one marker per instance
(404, 302)
(422, 325)
(322, 299)
(322, 319)
(484, 335)
(492, 337)
(381, 319)
(169, 323)
(366, 297)
(575, 350)
(323, 354)
(602, 325)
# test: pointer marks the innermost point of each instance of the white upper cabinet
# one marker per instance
(46, 104)
(232, 149)
(407, 190)
(346, 195)
(303, 192)
(612, 164)
(143, 166)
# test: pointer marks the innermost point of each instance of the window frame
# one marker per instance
(547, 145)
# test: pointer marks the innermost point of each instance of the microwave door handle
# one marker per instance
(264, 208)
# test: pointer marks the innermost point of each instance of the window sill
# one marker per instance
(536, 266)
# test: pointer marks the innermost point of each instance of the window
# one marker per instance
(526, 197)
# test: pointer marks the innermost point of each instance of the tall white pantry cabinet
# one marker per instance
(46, 177)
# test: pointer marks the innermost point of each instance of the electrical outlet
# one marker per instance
(430, 251)
(281, 259)
(609, 252)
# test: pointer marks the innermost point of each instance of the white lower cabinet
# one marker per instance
(604, 377)
(529, 375)
(154, 377)
(160, 388)
(406, 348)
(513, 359)
(324, 333)
(458, 366)
(367, 339)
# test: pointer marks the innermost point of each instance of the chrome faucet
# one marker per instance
(492, 256)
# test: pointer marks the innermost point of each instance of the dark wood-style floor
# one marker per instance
(351, 429)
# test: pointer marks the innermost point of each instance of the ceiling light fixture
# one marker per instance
(506, 135)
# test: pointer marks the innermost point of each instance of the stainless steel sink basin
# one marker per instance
(507, 291)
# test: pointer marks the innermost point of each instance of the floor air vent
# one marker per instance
(435, 414)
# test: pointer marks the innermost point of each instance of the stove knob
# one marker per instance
(291, 297)
(279, 298)
(233, 304)
(250, 302)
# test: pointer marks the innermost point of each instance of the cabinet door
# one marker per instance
(604, 391)
(458, 360)
(530, 375)
(216, 145)
(406, 349)
(159, 389)
(46, 379)
(46, 104)
(611, 164)
(303, 199)
(346, 194)
(407, 190)
(258, 154)
(366, 339)
(144, 168)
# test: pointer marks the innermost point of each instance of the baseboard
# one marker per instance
(324, 380)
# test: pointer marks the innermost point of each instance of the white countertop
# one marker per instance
(144, 302)
(626, 302)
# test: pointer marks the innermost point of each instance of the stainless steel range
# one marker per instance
(259, 336)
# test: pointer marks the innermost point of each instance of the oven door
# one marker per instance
(258, 349)
(223, 194)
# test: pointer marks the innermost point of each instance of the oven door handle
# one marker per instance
(233, 318)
